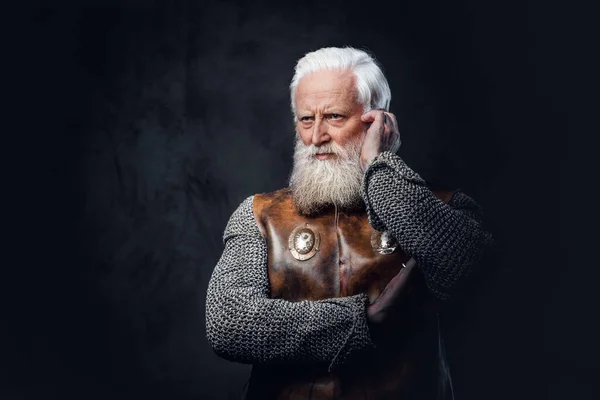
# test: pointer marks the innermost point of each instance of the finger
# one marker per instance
(392, 132)
(380, 121)
(388, 131)
(368, 116)
(393, 120)
(385, 120)
(371, 116)
(388, 123)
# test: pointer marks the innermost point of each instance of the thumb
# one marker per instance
(368, 116)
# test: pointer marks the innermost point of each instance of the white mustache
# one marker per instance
(327, 148)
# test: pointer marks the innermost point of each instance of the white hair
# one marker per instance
(371, 85)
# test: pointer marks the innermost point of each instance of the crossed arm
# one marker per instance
(244, 325)
(446, 240)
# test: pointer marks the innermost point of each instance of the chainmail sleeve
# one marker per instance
(244, 325)
(446, 240)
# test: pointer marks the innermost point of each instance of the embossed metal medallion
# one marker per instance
(383, 242)
(304, 242)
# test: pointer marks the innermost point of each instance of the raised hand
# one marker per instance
(382, 135)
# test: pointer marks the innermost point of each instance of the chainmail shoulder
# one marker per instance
(244, 325)
(447, 240)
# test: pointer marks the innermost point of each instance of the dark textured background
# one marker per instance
(139, 126)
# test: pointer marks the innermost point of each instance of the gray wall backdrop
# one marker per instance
(143, 124)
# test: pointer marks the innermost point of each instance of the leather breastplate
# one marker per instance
(334, 254)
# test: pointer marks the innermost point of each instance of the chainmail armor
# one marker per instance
(244, 325)
(445, 241)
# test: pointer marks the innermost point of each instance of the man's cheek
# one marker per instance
(361, 138)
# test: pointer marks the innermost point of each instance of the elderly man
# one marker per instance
(330, 287)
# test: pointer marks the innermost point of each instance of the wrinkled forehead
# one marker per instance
(324, 86)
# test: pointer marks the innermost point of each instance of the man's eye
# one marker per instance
(335, 116)
(306, 119)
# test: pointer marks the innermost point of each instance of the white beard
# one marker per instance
(317, 184)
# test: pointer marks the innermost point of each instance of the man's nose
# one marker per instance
(320, 133)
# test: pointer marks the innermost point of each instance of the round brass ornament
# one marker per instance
(383, 242)
(303, 242)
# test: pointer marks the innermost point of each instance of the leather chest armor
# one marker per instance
(335, 254)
